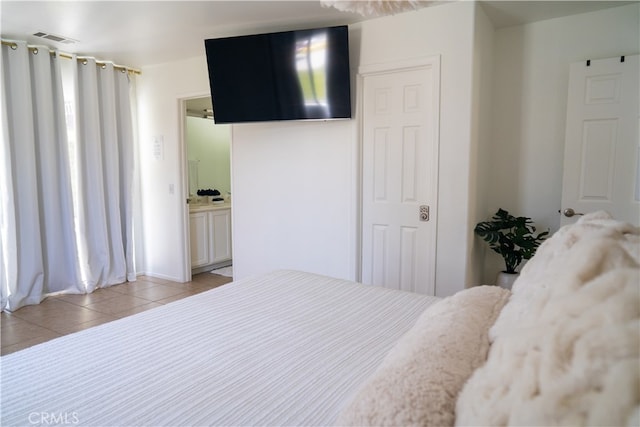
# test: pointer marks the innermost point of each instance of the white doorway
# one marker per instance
(206, 162)
(400, 138)
(602, 148)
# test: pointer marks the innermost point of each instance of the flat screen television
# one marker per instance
(290, 75)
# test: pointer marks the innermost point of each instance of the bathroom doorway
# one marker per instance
(208, 181)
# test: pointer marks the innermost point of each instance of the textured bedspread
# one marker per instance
(288, 348)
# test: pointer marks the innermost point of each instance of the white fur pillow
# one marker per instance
(566, 348)
(419, 380)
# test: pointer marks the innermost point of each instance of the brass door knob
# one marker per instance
(570, 212)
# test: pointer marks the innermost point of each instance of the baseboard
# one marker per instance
(160, 276)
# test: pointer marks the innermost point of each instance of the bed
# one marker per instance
(291, 348)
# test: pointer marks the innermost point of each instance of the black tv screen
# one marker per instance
(291, 75)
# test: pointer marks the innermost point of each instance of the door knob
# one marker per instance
(570, 212)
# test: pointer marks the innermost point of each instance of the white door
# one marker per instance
(199, 239)
(602, 149)
(220, 223)
(400, 171)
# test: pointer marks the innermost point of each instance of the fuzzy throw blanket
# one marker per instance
(566, 348)
(419, 380)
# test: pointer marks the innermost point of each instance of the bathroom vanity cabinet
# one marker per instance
(210, 233)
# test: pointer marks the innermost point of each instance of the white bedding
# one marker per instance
(288, 348)
(566, 348)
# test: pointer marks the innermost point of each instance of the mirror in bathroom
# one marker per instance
(208, 149)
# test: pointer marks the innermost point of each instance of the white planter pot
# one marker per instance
(505, 280)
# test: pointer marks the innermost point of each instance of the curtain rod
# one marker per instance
(83, 59)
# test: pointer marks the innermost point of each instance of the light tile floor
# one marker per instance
(65, 314)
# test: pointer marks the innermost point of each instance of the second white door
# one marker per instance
(400, 175)
(602, 148)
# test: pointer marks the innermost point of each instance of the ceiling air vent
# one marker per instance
(59, 39)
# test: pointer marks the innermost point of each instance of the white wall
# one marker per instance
(481, 158)
(294, 197)
(529, 107)
(159, 88)
(295, 185)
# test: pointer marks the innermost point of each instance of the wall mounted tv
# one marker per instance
(291, 75)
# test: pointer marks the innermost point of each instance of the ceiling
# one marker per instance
(141, 33)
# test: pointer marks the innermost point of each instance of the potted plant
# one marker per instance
(513, 238)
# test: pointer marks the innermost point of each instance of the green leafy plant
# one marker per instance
(512, 237)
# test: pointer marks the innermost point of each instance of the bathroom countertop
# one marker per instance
(201, 207)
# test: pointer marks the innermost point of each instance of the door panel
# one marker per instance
(602, 148)
(221, 241)
(199, 239)
(400, 158)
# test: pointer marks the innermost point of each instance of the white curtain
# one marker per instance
(105, 168)
(39, 249)
(53, 239)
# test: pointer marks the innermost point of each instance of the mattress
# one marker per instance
(286, 348)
